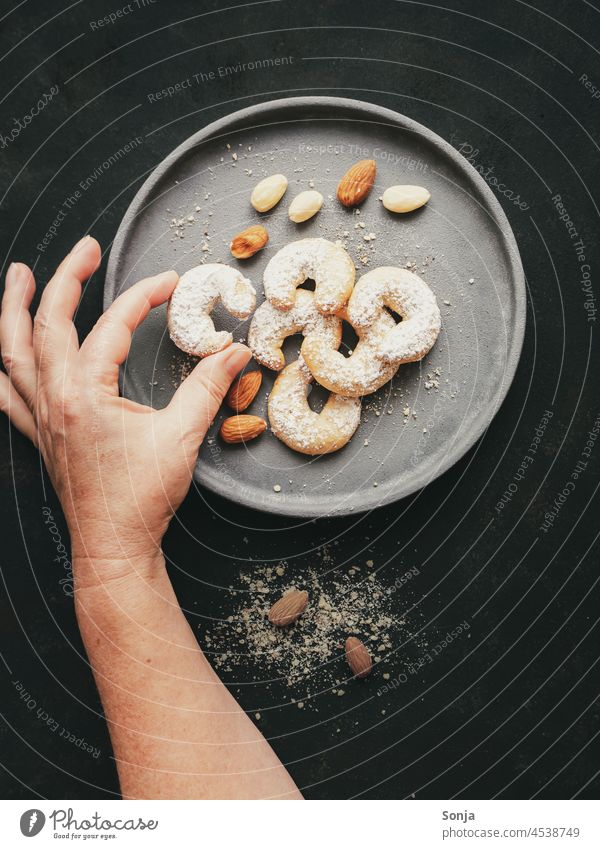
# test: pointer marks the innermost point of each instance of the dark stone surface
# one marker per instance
(511, 709)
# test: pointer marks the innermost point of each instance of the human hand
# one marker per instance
(120, 469)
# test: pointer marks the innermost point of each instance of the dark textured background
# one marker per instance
(511, 710)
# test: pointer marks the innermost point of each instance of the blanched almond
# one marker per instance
(305, 205)
(269, 192)
(405, 198)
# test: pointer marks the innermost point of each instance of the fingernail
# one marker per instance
(80, 244)
(237, 356)
(16, 274)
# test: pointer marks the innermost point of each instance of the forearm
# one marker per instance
(176, 730)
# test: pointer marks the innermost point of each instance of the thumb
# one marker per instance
(196, 402)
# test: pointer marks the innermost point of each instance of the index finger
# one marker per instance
(54, 333)
(107, 346)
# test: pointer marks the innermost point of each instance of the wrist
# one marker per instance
(92, 570)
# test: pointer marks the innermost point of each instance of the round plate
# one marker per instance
(418, 425)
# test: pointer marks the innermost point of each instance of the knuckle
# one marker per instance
(107, 321)
(41, 325)
(12, 360)
(66, 406)
(107, 325)
(213, 389)
(42, 414)
(70, 407)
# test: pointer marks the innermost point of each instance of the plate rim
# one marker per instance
(505, 233)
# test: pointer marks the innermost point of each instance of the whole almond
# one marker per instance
(405, 198)
(242, 428)
(358, 657)
(305, 205)
(248, 242)
(289, 608)
(268, 192)
(356, 183)
(242, 391)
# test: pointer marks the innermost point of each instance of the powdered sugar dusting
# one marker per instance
(359, 374)
(409, 296)
(326, 263)
(301, 428)
(193, 299)
(270, 326)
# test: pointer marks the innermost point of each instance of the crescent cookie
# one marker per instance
(188, 315)
(361, 373)
(324, 262)
(270, 326)
(409, 296)
(300, 428)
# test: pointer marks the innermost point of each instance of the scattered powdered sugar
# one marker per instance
(309, 655)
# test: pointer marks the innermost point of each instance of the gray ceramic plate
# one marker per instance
(413, 429)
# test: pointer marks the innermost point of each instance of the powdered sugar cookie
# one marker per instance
(359, 374)
(300, 428)
(270, 326)
(409, 296)
(324, 262)
(190, 326)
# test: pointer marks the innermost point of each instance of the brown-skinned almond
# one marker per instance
(242, 428)
(289, 608)
(357, 182)
(249, 242)
(358, 657)
(243, 391)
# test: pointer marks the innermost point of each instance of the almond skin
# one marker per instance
(249, 242)
(356, 183)
(358, 657)
(242, 428)
(242, 391)
(289, 608)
